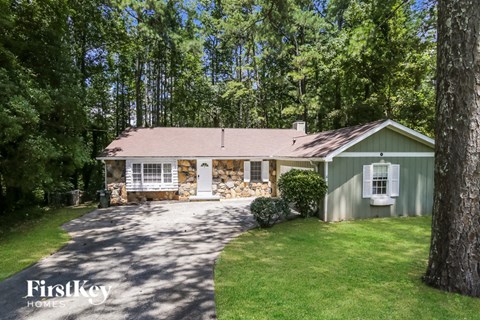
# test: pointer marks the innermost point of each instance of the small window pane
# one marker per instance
(137, 172)
(256, 171)
(152, 172)
(380, 179)
(167, 173)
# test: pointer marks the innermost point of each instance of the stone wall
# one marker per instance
(142, 196)
(116, 181)
(118, 193)
(228, 181)
(187, 179)
(115, 171)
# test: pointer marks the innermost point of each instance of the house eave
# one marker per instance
(395, 126)
(317, 159)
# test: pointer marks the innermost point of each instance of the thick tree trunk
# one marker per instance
(454, 263)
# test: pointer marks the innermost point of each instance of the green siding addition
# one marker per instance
(345, 185)
(283, 165)
(387, 140)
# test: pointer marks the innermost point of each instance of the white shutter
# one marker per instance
(265, 171)
(246, 171)
(367, 181)
(128, 174)
(394, 180)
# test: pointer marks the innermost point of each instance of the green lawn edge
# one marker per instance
(307, 269)
(26, 243)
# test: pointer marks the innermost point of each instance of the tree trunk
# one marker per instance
(138, 91)
(454, 262)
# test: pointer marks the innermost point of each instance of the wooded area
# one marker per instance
(74, 74)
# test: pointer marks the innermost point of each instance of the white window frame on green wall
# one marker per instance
(373, 181)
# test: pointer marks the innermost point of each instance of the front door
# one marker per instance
(204, 176)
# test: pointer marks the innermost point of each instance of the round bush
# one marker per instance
(267, 211)
(303, 188)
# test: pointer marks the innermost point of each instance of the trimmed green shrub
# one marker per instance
(303, 188)
(267, 211)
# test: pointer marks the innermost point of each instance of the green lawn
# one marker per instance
(306, 269)
(27, 242)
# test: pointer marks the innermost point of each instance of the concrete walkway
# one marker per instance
(158, 258)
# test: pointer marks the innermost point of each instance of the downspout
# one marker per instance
(105, 174)
(325, 201)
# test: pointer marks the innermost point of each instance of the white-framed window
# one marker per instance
(167, 173)
(137, 173)
(381, 180)
(150, 175)
(256, 171)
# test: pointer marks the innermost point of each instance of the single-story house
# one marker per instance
(377, 169)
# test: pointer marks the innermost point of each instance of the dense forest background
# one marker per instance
(75, 73)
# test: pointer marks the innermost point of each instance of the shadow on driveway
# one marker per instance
(158, 258)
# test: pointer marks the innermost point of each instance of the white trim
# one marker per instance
(151, 186)
(325, 201)
(105, 174)
(265, 172)
(367, 173)
(381, 201)
(392, 125)
(246, 171)
(394, 180)
(386, 154)
(155, 158)
(395, 126)
(317, 159)
(219, 158)
(209, 172)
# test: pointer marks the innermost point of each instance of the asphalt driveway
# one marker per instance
(158, 259)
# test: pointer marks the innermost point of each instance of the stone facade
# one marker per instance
(142, 196)
(228, 181)
(118, 193)
(187, 179)
(116, 181)
(115, 171)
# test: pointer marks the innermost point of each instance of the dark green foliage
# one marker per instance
(74, 74)
(303, 188)
(267, 211)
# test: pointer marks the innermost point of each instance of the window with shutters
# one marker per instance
(381, 180)
(256, 171)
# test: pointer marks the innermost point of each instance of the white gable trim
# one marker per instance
(391, 125)
(386, 154)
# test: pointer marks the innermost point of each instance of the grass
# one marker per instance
(22, 244)
(306, 269)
